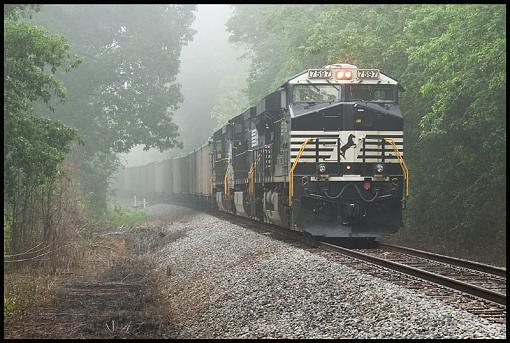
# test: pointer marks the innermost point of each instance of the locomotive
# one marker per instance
(323, 154)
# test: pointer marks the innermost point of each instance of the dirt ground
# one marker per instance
(112, 291)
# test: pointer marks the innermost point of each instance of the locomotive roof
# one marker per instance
(302, 77)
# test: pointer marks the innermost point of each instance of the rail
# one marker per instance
(481, 267)
(422, 274)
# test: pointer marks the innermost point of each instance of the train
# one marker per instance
(322, 155)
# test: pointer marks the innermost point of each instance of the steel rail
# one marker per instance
(422, 274)
(481, 267)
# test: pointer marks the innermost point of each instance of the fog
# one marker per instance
(208, 63)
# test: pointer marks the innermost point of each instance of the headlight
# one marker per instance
(379, 168)
(343, 74)
(322, 168)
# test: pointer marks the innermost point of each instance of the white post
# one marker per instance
(135, 200)
(143, 202)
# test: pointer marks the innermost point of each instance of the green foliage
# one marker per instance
(275, 34)
(231, 98)
(34, 149)
(452, 61)
(17, 12)
(462, 128)
(20, 292)
(28, 51)
(7, 230)
(34, 146)
(125, 91)
(118, 215)
(96, 171)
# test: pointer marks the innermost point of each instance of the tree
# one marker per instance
(459, 54)
(275, 37)
(34, 146)
(125, 92)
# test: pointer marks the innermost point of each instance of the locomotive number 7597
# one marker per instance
(319, 74)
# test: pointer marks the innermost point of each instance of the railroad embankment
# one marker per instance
(109, 287)
(185, 274)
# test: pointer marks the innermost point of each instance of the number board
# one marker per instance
(320, 73)
(368, 73)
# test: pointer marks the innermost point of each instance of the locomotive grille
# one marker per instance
(368, 146)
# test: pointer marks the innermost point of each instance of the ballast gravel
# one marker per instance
(226, 281)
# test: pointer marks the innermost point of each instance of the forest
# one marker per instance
(83, 84)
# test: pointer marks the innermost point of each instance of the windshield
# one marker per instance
(371, 92)
(316, 93)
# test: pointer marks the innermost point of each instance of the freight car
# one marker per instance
(323, 154)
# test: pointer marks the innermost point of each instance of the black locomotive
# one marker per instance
(323, 154)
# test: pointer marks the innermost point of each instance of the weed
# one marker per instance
(117, 215)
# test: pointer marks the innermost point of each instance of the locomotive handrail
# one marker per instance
(225, 182)
(291, 172)
(401, 161)
(251, 184)
(242, 153)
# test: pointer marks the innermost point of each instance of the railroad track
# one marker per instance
(483, 294)
(475, 287)
(485, 268)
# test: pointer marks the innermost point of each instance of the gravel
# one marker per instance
(225, 281)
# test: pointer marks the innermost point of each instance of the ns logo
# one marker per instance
(350, 143)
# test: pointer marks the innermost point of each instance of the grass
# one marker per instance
(22, 288)
(118, 215)
(20, 291)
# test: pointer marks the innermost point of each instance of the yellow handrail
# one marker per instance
(251, 184)
(402, 163)
(225, 181)
(250, 181)
(291, 173)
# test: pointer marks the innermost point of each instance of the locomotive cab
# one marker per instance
(347, 175)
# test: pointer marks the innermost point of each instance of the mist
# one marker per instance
(142, 140)
(210, 67)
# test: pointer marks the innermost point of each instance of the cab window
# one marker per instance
(316, 93)
(371, 92)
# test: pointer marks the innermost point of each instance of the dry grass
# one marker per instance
(103, 287)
